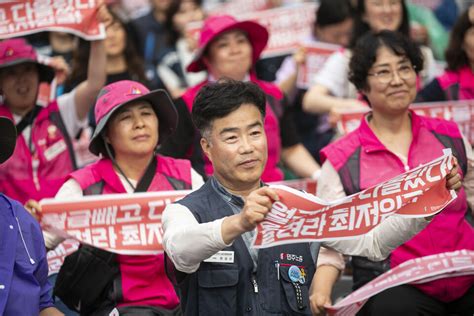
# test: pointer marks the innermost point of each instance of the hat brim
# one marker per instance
(258, 37)
(45, 73)
(7, 138)
(161, 104)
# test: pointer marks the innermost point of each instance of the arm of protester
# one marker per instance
(87, 91)
(50, 311)
(321, 288)
(180, 226)
(61, 68)
(319, 100)
(468, 181)
(288, 73)
(300, 161)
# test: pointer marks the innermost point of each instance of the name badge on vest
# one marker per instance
(222, 257)
(54, 150)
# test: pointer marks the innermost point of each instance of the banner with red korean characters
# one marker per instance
(56, 256)
(419, 270)
(461, 112)
(20, 18)
(316, 56)
(120, 223)
(299, 217)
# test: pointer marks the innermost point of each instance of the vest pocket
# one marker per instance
(296, 298)
(218, 292)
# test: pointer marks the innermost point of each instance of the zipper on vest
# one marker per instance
(255, 284)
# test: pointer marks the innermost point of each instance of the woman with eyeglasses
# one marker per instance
(390, 140)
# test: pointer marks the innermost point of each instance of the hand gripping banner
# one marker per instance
(300, 217)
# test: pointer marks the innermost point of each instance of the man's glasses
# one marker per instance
(385, 76)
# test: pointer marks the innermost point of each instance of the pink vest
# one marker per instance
(458, 85)
(449, 230)
(143, 278)
(18, 179)
(271, 125)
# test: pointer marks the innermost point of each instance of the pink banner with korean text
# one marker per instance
(419, 270)
(299, 217)
(120, 223)
(316, 55)
(461, 112)
(20, 18)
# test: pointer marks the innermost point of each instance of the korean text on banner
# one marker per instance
(300, 217)
(20, 18)
(418, 270)
(120, 223)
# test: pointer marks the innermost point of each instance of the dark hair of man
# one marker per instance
(332, 12)
(173, 34)
(361, 27)
(455, 54)
(364, 54)
(218, 99)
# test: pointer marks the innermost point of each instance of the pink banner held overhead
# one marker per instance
(299, 217)
(20, 18)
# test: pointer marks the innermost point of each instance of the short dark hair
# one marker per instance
(361, 27)
(330, 12)
(455, 55)
(219, 99)
(364, 54)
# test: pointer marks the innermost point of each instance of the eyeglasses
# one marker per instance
(385, 76)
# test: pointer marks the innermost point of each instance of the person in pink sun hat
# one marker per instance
(44, 155)
(230, 48)
(131, 123)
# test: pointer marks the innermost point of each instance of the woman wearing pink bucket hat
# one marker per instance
(230, 48)
(131, 122)
(44, 155)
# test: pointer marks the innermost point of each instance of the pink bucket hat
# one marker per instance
(7, 138)
(120, 93)
(216, 25)
(16, 51)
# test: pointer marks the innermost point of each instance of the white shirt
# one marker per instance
(188, 242)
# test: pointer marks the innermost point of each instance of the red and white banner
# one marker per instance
(120, 223)
(306, 185)
(237, 7)
(287, 26)
(56, 257)
(316, 56)
(419, 270)
(461, 112)
(19, 18)
(299, 217)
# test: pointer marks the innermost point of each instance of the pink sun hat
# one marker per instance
(216, 25)
(118, 94)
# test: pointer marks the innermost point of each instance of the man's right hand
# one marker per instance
(256, 207)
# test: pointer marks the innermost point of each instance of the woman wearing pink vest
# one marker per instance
(393, 139)
(131, 122)
(228, 48)
(44, 154)
(457, 82)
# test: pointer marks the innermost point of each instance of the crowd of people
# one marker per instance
(167, 111)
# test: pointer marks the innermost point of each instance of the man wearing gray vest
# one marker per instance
(208, 234)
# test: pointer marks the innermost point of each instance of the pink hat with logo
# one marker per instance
(115, 95)
(216, 25)
(17, 51)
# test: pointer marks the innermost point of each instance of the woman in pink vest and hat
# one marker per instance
(44, 154)
(131, 122)
(229, 48)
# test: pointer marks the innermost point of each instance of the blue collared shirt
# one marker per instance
(24, 286)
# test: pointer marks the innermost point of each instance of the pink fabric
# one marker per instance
(448, 231)
(17, 179)
(143, 278)
(464, 77)
(271, 125)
